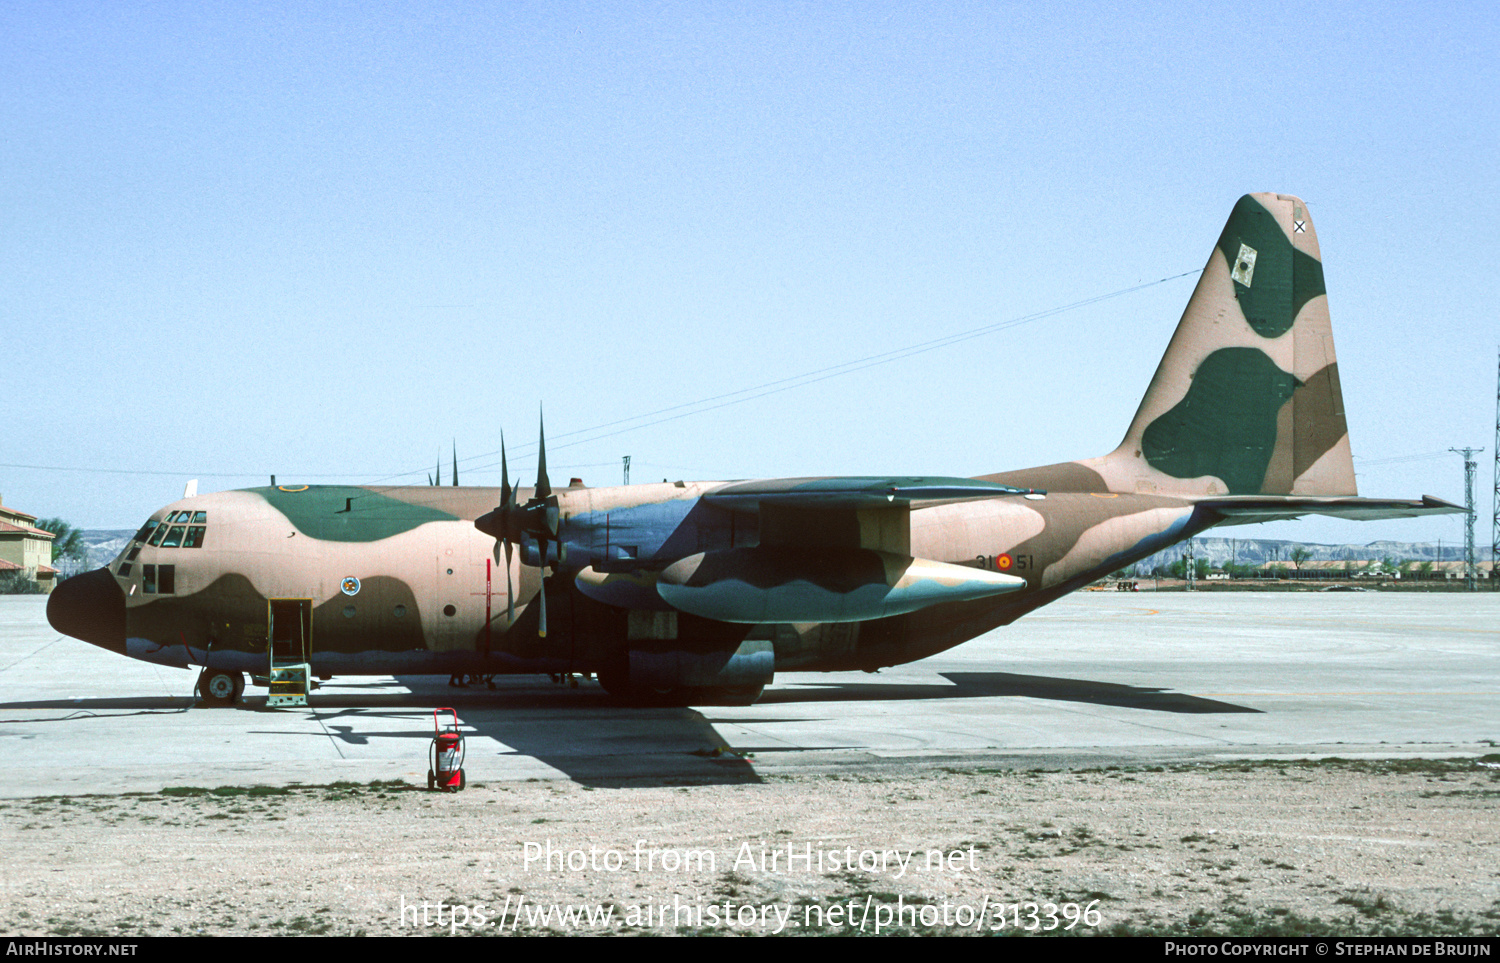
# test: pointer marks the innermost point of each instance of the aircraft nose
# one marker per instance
(90, 607)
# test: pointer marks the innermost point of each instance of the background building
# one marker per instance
(25, 550)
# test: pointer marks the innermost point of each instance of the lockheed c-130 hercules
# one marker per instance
(702, 591)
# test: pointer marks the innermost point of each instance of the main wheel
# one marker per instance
(615, 679)
(220, 688)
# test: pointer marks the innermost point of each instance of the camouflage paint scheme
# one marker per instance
(1242, 422)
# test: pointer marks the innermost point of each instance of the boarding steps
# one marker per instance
(290, 682)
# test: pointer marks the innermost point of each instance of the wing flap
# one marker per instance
(856, 492)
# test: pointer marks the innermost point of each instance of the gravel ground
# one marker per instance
(1331, 847)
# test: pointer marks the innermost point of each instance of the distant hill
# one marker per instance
(1256, 551)
(105, 545)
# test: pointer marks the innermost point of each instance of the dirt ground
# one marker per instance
(1342, 848)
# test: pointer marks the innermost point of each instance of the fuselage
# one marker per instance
(399, 580)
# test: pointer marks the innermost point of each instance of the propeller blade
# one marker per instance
(543, 486)
(541, 630)
(505, 493)
(510, 593)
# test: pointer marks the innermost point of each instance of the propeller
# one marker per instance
(538, 519)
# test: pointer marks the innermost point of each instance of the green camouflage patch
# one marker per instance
(1272, 279)
(1226, 425)
(339, 513)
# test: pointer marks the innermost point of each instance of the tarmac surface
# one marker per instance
(1099, 678)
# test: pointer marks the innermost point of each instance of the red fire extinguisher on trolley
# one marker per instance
(445, 758)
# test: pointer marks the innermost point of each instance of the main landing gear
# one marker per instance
(220, 688)
(616, 681)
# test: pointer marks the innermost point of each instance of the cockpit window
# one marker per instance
(200, 517)
(145, 531)
(174, 537)
(158, 535)
(194, 537)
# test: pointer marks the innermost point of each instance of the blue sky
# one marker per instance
(326, 241)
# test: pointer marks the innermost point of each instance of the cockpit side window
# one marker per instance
(194, 537)
(145, 531)
(123, 569)
(158, 535)
(159, 579)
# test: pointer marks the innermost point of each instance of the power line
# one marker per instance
(687, 408)
(715, 402)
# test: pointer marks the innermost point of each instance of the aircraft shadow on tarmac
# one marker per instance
(583, 733)
(978, 685)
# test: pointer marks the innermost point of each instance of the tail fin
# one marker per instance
(1246, 400)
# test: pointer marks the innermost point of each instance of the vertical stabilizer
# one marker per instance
(1246, 400)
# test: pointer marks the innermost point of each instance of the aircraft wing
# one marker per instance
(1251, 509)
(855, 492)
(829, 550)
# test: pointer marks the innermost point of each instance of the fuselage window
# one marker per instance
(200, 517)
(174, 537)
(158, 535)
(194, 537)
(148, 579)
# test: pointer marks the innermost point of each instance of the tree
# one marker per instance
(69, 551)
(1299, 555)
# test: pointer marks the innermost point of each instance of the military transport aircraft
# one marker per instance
(701, 591)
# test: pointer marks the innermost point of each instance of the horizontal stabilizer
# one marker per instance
(1250, 510)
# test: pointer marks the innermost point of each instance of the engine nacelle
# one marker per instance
(795, 584)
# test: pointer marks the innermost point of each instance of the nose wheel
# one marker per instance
(220, 688)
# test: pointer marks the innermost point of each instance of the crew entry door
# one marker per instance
(290, 631)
